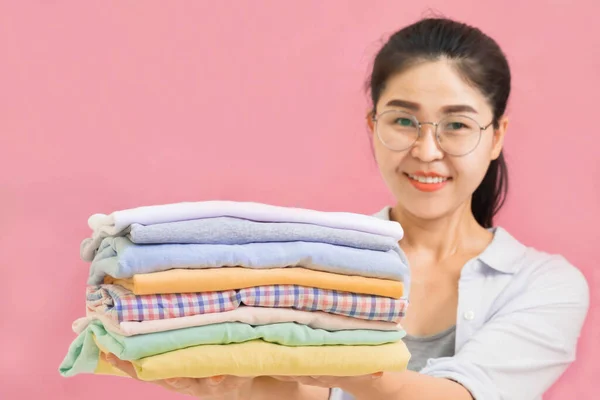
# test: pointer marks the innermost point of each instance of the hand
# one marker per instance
(348, 383)
(213, 388)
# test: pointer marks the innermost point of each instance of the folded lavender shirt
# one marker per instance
(229, 230)
(120, 258)
(117, 223)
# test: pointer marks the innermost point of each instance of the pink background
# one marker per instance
(106, 105)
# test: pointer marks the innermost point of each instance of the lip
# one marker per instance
(428, 174)
(428, 187)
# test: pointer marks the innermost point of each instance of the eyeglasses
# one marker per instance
(456, 135)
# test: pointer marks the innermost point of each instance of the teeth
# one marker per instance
(428, 179)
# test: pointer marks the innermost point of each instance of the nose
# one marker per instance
(426, 147)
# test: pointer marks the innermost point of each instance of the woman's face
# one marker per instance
(434, 91)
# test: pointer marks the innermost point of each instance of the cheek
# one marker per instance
(387, 160)
(471, 170)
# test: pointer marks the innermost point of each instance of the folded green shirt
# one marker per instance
(83, 353)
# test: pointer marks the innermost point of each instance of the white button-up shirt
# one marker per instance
(520, 313)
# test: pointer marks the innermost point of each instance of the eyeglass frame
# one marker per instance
(375, 119)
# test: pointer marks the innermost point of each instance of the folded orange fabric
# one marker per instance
(228, 278)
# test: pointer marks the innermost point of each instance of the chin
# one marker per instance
(427, 214)
(425, 209)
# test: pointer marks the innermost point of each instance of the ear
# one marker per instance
(498, 141)
(370, 121)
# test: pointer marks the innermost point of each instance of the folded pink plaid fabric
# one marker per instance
(360, 306)
(121, 305)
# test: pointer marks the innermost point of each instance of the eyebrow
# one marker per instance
(455, 108)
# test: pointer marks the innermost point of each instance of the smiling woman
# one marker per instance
(489, 318)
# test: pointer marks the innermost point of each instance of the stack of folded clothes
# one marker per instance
(238, 288)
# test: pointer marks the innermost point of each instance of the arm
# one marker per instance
(522, 349)
(411, 385)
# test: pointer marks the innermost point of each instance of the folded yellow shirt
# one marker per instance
(258, 358)
(217, 279)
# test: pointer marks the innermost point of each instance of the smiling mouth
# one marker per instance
(428, 179)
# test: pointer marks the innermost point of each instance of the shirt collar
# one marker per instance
(502, 254)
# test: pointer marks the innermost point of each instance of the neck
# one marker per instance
(443, 237)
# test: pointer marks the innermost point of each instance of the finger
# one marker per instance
(215, 385)
(357, 378)
(216, 380)
(316, 381)
(227, 383)
(189, 386)
(335, 381)
(348, 382)
(285, 378)
(180, 383)
(305, 380)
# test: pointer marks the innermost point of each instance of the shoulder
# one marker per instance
(533, 277)
(543, 265)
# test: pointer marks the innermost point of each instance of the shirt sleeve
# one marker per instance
(528, 342)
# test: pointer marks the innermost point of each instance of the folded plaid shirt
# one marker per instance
(121, 304)
(335, 302)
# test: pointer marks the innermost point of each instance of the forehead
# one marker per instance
(433, 85)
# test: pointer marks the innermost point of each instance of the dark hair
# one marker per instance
(479, 60)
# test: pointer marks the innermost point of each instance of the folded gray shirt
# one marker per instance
(229, 230)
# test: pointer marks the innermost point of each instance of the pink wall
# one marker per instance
(109, 107)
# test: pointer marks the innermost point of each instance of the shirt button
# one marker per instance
(469, 315)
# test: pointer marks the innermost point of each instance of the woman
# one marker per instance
(489, 318)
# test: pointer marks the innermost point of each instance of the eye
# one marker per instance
(455, 126)
(407, 122)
